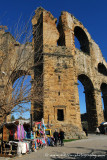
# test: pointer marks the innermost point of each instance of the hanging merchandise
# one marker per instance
(18, 135)
(5, 134)
(18, 132)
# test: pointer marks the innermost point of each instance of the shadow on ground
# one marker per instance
(93, 154)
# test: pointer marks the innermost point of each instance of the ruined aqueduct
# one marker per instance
(63, 65)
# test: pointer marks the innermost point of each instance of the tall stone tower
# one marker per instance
(62, 65)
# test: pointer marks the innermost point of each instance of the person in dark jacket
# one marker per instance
(59, 138)
(55, 135)
(61, 133)
(85, 130)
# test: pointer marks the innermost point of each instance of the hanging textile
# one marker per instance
(22, 132)
(18, 132)
(15, 134)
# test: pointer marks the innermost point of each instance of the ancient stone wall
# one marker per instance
(15, 61)
(59, 65)
(63, 66)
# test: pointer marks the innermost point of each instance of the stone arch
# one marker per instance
(82, 38)
(104, 96)
(90, 101)
(16, 74)
(20, 85)
(102, 69)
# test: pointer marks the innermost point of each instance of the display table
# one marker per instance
(8, 148)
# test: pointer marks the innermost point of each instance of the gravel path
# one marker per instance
(95, 147)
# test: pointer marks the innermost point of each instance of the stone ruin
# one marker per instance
(62, 65)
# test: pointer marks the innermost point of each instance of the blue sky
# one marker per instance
(24, 83)
(92, 14)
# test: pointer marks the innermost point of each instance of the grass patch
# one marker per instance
(69, 140)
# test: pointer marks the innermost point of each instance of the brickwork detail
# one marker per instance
(63, 66)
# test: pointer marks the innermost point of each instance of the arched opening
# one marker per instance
(82, 39)
(77, 43)
(90, 114)
(104, 97)
(102, 69)
(21, 95)
(82, 104)
(16, 74)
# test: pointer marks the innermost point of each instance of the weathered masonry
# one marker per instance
(63, 65)
(60, 65)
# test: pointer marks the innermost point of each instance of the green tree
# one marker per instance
(12, 118)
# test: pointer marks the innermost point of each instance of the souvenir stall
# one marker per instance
(8, 133)
(24, 136)
(16, 138)
(40, 138)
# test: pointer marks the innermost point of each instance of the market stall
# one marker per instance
(13, 135)
(18, 138)
(40, 137)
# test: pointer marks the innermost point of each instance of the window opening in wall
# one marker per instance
(60, 114)
(59, 93)
(59, 78)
